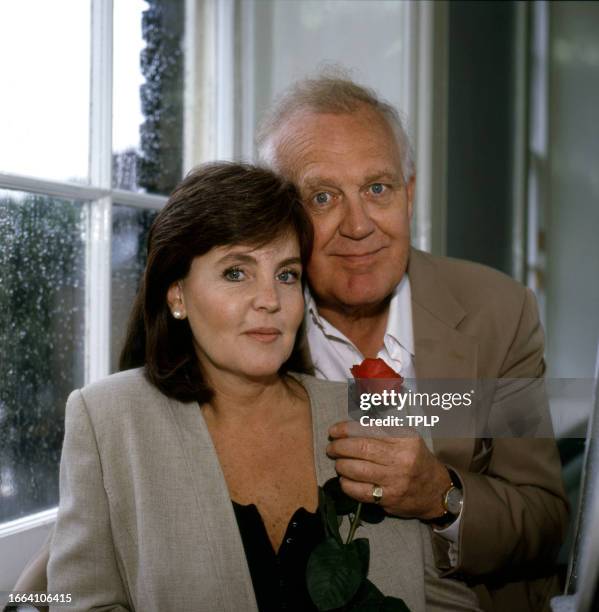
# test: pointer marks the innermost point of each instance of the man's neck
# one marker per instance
(364, 327)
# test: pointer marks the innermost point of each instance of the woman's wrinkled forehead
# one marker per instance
(286, 244)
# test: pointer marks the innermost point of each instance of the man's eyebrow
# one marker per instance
(316, 181)
(372, 177)
(388, 175)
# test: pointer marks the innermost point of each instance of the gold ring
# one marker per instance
(377, 494)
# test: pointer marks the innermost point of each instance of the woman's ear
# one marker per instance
(174, 298)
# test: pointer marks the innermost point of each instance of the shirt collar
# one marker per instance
(399, 324)
(311, 308)
(327, 328)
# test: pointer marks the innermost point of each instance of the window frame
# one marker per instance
(219, 50)
(101, 198)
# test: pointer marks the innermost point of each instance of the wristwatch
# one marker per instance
(453, 500)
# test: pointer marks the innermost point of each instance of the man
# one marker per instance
(497, 507)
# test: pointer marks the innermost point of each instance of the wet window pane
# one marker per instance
(42, 325)
(129, 235)
(148, 94)
(45, 76)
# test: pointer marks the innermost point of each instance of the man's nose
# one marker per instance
(356, 223)
(266, 296)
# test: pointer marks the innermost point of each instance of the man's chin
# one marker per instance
(363, 299)
(355, 293)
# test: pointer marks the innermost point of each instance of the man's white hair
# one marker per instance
(328, 93)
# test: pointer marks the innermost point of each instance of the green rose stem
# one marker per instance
(337, 572)
(354, 524)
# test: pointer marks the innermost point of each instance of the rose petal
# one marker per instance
(374, 368)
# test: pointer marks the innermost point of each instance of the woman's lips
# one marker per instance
(263, 334)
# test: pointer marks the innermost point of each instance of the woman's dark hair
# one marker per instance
(217, 204)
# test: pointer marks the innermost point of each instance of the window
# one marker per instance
(91, 121)
(42, 329)
(105, 104)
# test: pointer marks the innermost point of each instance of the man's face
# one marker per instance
(348, 170)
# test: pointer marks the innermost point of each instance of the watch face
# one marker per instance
(454, 500)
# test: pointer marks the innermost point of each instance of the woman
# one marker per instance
(191, 483)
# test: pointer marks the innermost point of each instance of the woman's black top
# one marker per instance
(279, 579)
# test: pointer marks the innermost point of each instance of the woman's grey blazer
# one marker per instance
(146, 522)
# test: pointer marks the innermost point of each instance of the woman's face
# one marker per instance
(244, 306)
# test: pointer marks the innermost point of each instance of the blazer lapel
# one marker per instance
(215, 510)
(441, 350)
(326, 411)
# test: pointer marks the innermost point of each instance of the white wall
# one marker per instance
(295, 39)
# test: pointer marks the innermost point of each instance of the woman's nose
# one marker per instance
(267, 297)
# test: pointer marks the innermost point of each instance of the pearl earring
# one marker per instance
(177, 314)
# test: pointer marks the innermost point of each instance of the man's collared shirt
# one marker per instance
(333, 354)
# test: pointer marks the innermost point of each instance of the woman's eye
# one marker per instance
(322, 198)
(234, 274)
(377, 188)
(288, 276)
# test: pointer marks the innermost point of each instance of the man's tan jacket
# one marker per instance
(472, 322)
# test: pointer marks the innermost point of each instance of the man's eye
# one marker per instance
(377, 188)
(322, 198)
(289, 276)
(234, 274)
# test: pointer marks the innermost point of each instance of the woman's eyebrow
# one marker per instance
(245, 258)
(289, 261)
(236, 257)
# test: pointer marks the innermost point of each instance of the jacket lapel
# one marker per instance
(216, 514)
(326, 411)
(441, 350)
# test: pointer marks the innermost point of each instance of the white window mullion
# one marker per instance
(100, 219)
(225, 79)
(429, 117)
(246, 79)
(198, 96)
(55, 189)
(209, 91)
(138, 200)
(410, 71)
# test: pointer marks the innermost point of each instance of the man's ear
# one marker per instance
(410, 187)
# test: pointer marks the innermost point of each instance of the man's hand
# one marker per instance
(413, 479)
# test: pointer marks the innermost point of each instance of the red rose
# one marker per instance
(374, 368)
(375, 376)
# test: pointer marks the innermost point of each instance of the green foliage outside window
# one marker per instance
(160, 164)
(42, 272)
